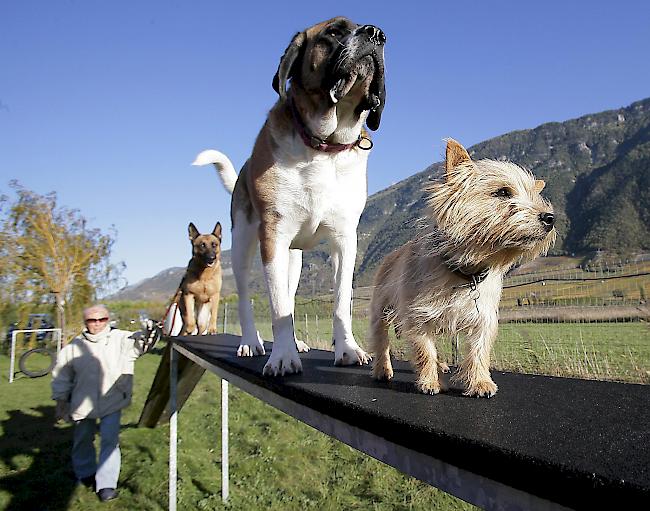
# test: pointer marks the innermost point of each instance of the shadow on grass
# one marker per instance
(38, 455)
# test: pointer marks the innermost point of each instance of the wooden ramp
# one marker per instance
(156, 407)
(540, 443)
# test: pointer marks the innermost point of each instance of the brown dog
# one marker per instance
(201, 285)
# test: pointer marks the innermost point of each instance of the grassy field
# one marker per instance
(605, 351)
(276, 462)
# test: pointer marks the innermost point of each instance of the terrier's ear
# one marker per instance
(539, 185)
(192, 231)
(455, 155)
(217, 230)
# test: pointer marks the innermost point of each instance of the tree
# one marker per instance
(48, 254)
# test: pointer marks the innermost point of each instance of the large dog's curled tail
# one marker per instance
(223, 165)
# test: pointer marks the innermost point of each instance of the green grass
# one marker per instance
(276, 462)
(610, 351)
(607, 351)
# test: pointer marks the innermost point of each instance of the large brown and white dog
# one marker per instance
(306, 180)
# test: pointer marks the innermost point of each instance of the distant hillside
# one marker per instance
(158, 288)
(162, 286)
(597, 170)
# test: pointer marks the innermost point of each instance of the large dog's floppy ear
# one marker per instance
(285, 69)
(217, 230)
(378, 90)
(456, 154)
(192, 231)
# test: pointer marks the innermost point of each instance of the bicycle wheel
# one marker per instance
(36, 362)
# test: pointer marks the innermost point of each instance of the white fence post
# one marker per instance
(225, 489)
(58, 342)
(12, 362)
(306, 329)
(173, 426)
(13, 356)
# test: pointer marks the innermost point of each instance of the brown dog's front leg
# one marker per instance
(186, 305)
(214, 311)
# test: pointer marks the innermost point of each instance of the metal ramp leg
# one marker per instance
(173, 427)
(225, 490)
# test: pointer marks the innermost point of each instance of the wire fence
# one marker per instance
(585, 321)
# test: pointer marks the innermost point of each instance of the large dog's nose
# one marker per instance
(548, 220)
(375, 34)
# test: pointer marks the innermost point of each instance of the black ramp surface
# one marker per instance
(583, 444)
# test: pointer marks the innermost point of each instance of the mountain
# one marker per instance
(597, 170)
(162, 286)
(158, 288)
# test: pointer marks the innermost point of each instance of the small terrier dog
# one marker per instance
(483, 217)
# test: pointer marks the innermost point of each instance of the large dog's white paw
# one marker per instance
(251, 347)
(302, 346)
(348, 353)
(282, 361)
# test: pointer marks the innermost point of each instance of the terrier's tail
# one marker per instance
(223, 165)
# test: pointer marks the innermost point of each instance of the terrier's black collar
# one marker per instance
(473, 279)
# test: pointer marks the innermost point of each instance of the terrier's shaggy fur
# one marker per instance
(484, 216)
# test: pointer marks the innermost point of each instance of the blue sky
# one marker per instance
(107, 103)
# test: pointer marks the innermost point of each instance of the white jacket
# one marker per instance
(94, 373)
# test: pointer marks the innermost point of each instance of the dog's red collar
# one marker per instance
(318, 144)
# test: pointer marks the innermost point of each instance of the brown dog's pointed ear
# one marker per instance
(217, 230)
(455, 155)
(192, 231)
(285, 69)
(539, 185)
